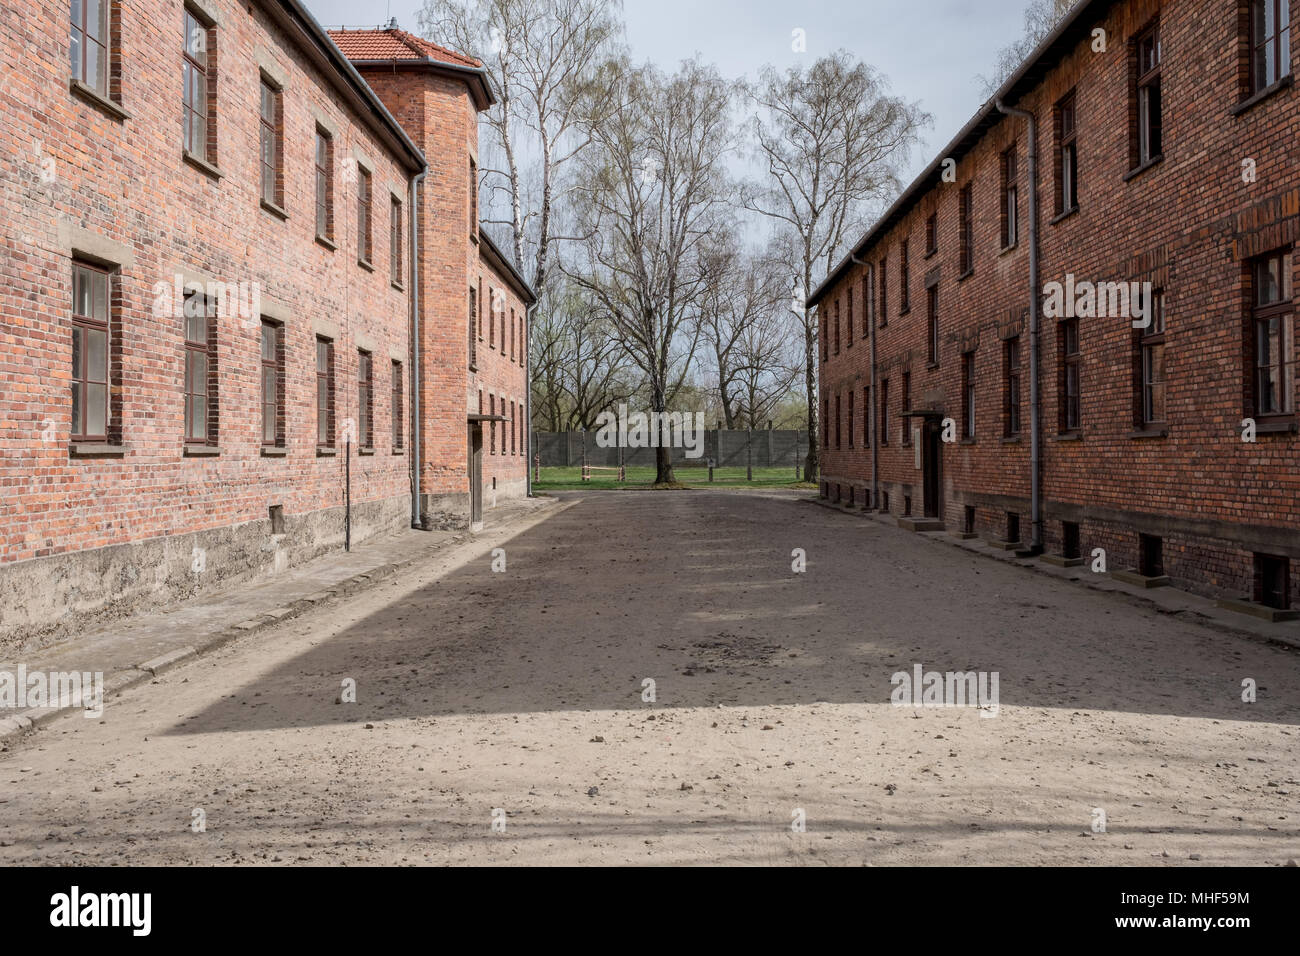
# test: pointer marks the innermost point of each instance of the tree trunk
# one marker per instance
(810, 463)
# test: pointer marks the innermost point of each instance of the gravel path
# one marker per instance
(520, 692)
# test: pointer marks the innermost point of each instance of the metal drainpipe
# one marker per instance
(414, 277)
(1035, 397)
(528, 393)
(875, 397)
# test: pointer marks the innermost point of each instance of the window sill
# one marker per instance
(397, 285)
(1141, 168)
(98, 100)
(274, 451)
(1276, 426)
(327, 243)
(201, 451)
(1011, 440)
(202, 165)
(365, 451)
(1062, 216)
(906, 310)
(1011, 248)
(274, 210)
(399, 451)
(324, 451)
(966, 275)
(931, 365)
(83, 449)
(365, 265)
(968, 441)
(1150, 431)
(1067, 436)
(1267, 92)
(929, 253)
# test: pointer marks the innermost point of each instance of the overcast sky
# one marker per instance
(931, 50)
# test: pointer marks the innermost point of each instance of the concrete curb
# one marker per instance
(26, 721)
(1206, 616)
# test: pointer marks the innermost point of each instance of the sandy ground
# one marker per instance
(521, 691)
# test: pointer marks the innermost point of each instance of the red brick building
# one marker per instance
(207, 230)
(473, 302)
(1166, 155)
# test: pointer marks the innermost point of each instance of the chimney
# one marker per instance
(392, 23)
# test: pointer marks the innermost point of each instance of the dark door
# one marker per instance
(475, 474)
(931, 460)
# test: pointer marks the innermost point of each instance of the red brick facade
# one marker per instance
(1195, 220)
(172, 450)
(436, 95)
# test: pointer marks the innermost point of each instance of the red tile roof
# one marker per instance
(395, 44)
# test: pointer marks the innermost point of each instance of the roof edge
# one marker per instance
(1009, 92)
(498, 260)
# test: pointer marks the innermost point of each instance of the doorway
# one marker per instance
(475, 475)
(931, 464)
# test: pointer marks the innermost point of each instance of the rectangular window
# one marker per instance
(968, 394)
(826, 423)
(473, 199)
(365, 400)
(1272, 321)
(1069, 396)
(884, 292)
(1011, 388)
(198, 76)
(200, 371)
(324, 185)
(472, 325)
(907, 406)
(364, 234)
(1152, 346)
(88, 46)
(866, 416)
(826, 339)
(1010, 200)
(883, 430)
(837, 421)
(837, 326)
(272, 384)
(1151, 556)
(492, 427)
(395, 241)
(324, 393)
(523, 340)
(904, 305)
(1147, 93)
(493, 304)
(514, 428)
(932, 323)
(1070, 543)
(512, 335)
(932, 234)
(851, 397)
(966, 232)
(1067, 156)
(397, 415)
(1270, 42)
(91, 338)
(270, 127)
(848, 317)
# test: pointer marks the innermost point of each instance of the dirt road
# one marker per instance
(515, 697)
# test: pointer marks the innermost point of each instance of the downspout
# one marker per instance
(528, 395)
(1035, 397)
(872, 421)
(415, 276)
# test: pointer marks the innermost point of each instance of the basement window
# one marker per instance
(968, 527)
(1273, 581)
(276, 514)
(1151, 556)
(1070, 539)
(1013, 527)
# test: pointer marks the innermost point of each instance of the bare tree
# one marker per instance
(1040, 17)
(654, 187)
(832, 141)
(543, 59)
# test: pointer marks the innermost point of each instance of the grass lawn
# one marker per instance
(567, 479)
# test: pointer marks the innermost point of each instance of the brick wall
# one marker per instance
(1188, 224)
(107, 183)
